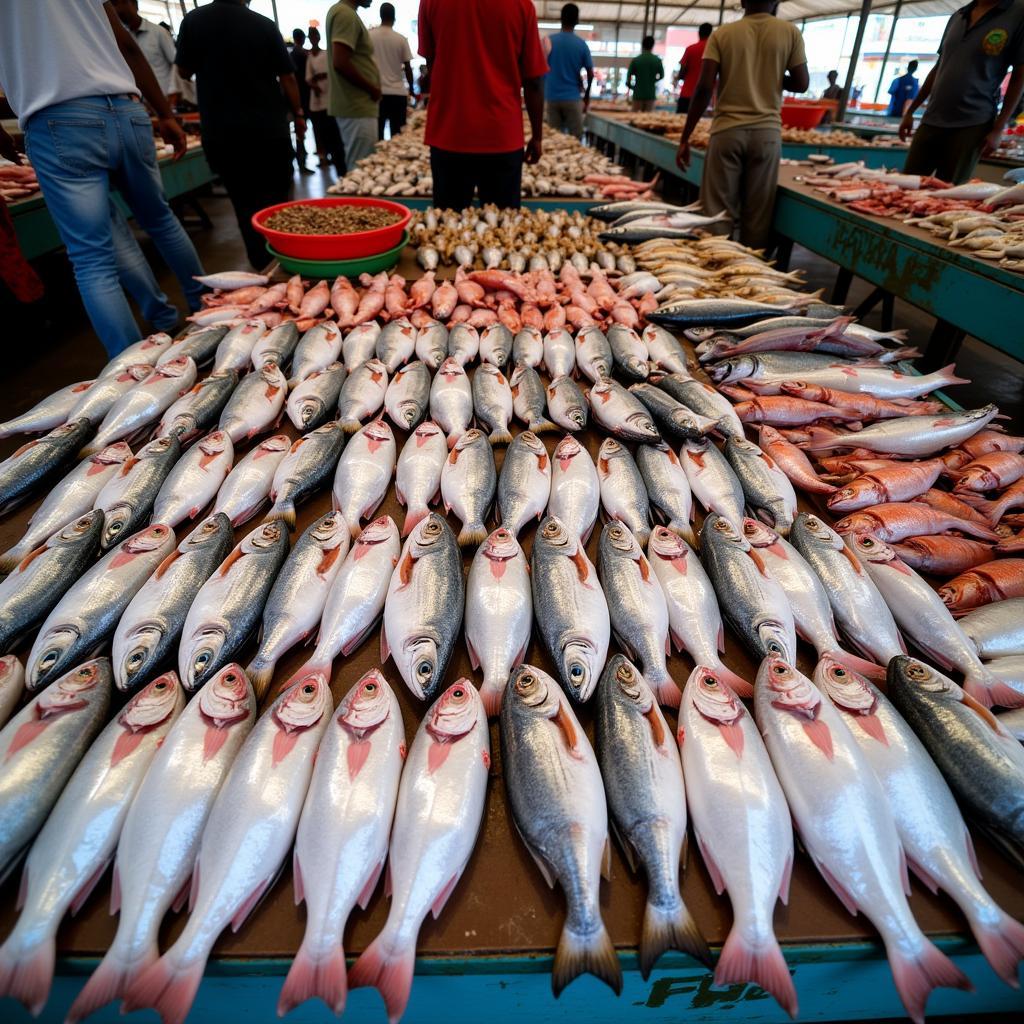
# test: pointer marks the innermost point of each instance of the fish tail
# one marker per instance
(388, 968)
(1002, 945)
(261, 675)
(500, 435)
(543, 427)
(472, 535)
(736, 682)
(585, 954)
(9, 561)
(491, 694)
(313, 977)
(668, 691)
(764, 965)
(26, 972)
(671, 928)
(916, 976)
(108, 982)
(412, 519)
(868, 669)
(285, 512)
(166, 988)
(350, 426)
(948, 374)
(979, 685)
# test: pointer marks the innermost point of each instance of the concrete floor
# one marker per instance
(51, 343)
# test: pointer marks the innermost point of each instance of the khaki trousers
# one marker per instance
(741, 174)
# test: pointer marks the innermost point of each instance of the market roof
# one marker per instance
(693, 12)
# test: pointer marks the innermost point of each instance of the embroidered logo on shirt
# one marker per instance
(994, 41)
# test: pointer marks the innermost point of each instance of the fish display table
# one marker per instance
(37, 233)
(493, 943)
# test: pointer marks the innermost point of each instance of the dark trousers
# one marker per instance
(946, 153)
(683, 105)
(328, 138)
(252, 183)
(391, 110)
(498, 176)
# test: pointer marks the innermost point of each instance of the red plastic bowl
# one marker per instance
(802, 115)
(355, 246)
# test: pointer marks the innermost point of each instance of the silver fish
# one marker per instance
(463, 344)
(94, 402)
(228, 605)
(997, 629)
(451, 400)
(396, 343)
(675, 421)
(557, 799)
(194, 479)
(39, 460)
(235, 349)
(199, 345)
(362, 394)
(767, 491)
(408, 395)
(593, 353)
(248, 485)
(317, 349)
(567, 406)
(623, 494)
(418, 476)
(360, 344)
(667, 488)
(712, 480)
(364, 473)
(52, 411)
(643, 779)
(629, 352)
(199, 408)
(559, 353)
(147, 351)
(621, 413)
(423, 607)
(12, 686)
(528, 347)
(308, 464)
(717, 312)
(525, 482)
(495, 345)
(575, 488)
(88, 613)
(315, 400)
(468, 483)
(255, 405)
(432, 345)
(276, 346)
(663, 351)
(528, 399)
(492, 402)
(702, 399)
(569, 607)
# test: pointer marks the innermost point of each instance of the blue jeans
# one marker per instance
(137, 277)
(80, 149)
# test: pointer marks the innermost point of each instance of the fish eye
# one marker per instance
(135, 659)
(309, 689)
(779, 670)
(201, 661)
(160, 686)
(115, 527)
(432, 528)
(917, 671)
(49, 659)
(370, 688)
(459, 693)
(230, 677)
(839, 673)
(576, 672)
(710, 681)
(423, 669)
(775, 647)
(84, 673)
(721, 525)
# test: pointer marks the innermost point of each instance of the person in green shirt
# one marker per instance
(353, 83)
(644, 74)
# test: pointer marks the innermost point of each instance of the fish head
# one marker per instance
(56, 650)
(790, 688)
(429, 535)
(263, 538)
(179, 366)
(303, 704)
(729, 370)
(743, 448)
(115, 522)
(455, 713)
(70, 691)
(809, 530)
(153, 704)
(215, 443)
(376, 434)
(644, 425)
(227, 698)
(419, 657)
(554, 533)
(425, 431)
(909, 678)
(380, 531)
(142, 646)
(115, 454)
(844, 687)
(153, 538)
(869, 548)
(159, 448)
(718, 530)
(580, 667)
(699, 334)
(500, 547)
(566, 450)
(330, 530)
(366, 706)
(860, 522)
(84, 529)
(215, 529)
(622, 681)
(618, 541)
(535, 691)
(758, 534)
(713, 697)
(610, 449)
(206, 648)
(451, 368)
(469, 439)
(310, 408)
(271, 375)
(668, 546)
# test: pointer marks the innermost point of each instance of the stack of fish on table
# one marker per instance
(211, 790)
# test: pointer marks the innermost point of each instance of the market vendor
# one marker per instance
(981, 42)
(643, 75)
(752, 60)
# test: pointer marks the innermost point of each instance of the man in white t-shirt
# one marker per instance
(394, 58)
(155, 43)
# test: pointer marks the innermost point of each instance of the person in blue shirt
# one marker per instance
(903, 90)
(568, 56)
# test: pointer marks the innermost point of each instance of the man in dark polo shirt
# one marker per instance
(965, 119)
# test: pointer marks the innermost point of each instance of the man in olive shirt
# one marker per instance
(981, 42)
(754, 60)
(644, 74)
(353, 92)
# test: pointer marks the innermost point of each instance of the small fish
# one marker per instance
(317, 349)
(468, 484)
(396, 344)
(408, 395)
(308, 464)
(147, 351)
(528, 399)
(52, 411)
(418, 476)
(229, 280)
(667, 488)
(559, 353)
(94, 402)
(675, 421)
(701, 399)
(199, 345)
(463, 344)
(255, 405)
(248, 485)
(714, 312)
(997, 629)
(575, 488)
(524, 485)
(567, 405)
(984, 584)
(364, 473)
(792, 461)
(495, 345)
(451, 400)
(276, 346)
(194, 479)
(629, 352)
(623, 494)
(492, 402)
(234, 352)
(362, 394)
(621, 413)
(199, 408)
(432, 344)
(528, 347)
(593, 354)
(664, 352)
(315, 400)
(38, 461)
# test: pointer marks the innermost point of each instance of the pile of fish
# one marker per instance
(448, 388)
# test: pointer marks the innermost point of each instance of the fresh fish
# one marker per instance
(305, 468)
(228, 605)
(664, 352)
(396, 344)
(524, 485)
(296, 601)
(42, 578)
(495, 345)
(80, 835)
(12, 686)
(363, 474)
(557, 799)
(199, 408)
(194, 479)
(160, 837)
(276, 346)
(423, 607)
(593, 354)
(85, 617)
(749, 851)
(314, 401)
(437, 818)
(94, 402)
(145, 403)
(41, 746)
(255, 405)
(566, 404)
(234, 352)
(418, 476)
(942, 555)
(408, 395)
(880, 382)
(621, 413)
(767, 491)
(575, 488)
(636, 605)
(468, 484)
(559, 353)
(432, 344)
(342, 839)
(360, 344)
(675, 421)
(712, 480)
(840, 810)
(230, 280)
(147, 351)
(247, 836)
(615, 210)
(38, 461)
(629, 352)
(701, 312)
(667, 487)
(897, 520)
(52, 411)
(463, 344)
(569, 607)
(928, 821)
(529, 399)
(247, 486)
(528, 347)
(147, 633)
(643, 779)
(984, 584)
(499, 613)
(317, 349)
(492, 402)
(362, 394)
(703, 400)
(792, 461)
(991, 472)
(644, 230)
(451, 400)
(623, 494)
(199, 345)
(751, 599)
(997, 629)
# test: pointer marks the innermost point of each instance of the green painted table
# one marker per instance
(37, 233)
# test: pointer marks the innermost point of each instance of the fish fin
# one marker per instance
(353, 645)
(86, 891)
(861, 666)
(627, 647)
(28, 976)
(168, 990)
(22, 889)
(677, 642)
(592, 954)
(904, 872)
(670, 929)
(9, 561)
(389, 970)
(385, 650)
(787, 877)
(412, 520)
(739, 962)
(285, 513)
(972, 853)
(472, 535)
(261, 675)
(949, 372)
(311, 978)
(474, 661)
(709, 862)
(371, 883)
(250, 902)
(736, 682)
(115, 891)
(184, 893)
(836, 886)
(684, 851)
(606, 860)
(1002, 945)
(922, 874)
(543, 427)
(627, 848)
(545, 869)
(668, 692)
(442, 896)
(399, 495)
(721, 639)
(491, 694)
(499, 435)
(300, 892)
(916, 978)
(108, 982)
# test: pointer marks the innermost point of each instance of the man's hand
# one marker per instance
(533, 150)
(906, 126)
(300, 127)
(173, 134)
(683, 155)
(992, 140)
(7, 149)
(586, 104)
(374, 94)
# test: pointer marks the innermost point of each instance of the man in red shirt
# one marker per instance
(482, 56)
(689, 68)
